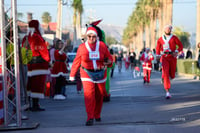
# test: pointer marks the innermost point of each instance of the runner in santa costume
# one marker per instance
(102, 37)
(147, 58)
(38, 66)
(168, 46)
(90, 59)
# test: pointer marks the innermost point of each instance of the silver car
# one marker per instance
(70, 59)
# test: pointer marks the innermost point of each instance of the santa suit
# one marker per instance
(147, 65)
(93, 90)
(165, 48)
(59, 70)
(127, 61)
(38, 66)
(59, 67)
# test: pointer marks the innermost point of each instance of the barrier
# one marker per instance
(1, 103)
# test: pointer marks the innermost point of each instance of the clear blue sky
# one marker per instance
(115, 12)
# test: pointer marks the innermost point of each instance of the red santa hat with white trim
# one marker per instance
(91, 30)
(36, 25)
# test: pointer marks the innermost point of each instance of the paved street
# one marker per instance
(134, 108)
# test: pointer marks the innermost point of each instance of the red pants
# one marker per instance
(168, 70)
(127, 65)
(93, 94)
(147, 75)
(36, 85)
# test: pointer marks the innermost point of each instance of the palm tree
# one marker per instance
(20, 15)
(160, 18)
(167, 11)
(198, 26)
(79, 13)
(46, 18)
(153, 8)
(78, 10)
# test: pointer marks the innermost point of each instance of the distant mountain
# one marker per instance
(113, 31)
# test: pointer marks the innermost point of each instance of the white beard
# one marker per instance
(30, 31)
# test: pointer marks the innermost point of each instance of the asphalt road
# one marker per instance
(134, 108)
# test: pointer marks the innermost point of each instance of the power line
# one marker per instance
(105, 4)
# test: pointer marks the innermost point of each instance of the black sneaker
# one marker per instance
(34, 109)
(98, 120)
(89, 122)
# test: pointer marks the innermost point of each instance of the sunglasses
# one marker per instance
(91, 36)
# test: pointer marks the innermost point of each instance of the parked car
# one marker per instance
(70, 59)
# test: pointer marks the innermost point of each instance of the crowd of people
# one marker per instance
(92, 67)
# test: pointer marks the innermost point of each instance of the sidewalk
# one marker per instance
(134, 108)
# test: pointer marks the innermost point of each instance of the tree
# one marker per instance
(183, 36)
(142, 18)
(46, 18)
(78, 10)
(198, 27)
(20, 15)
(111, 40)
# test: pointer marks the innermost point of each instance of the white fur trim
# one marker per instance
(36, 95)
(96, 50)
(91, 32)
(60, 52)
(148, 68)
(31, 31)
(71, 78)
(99, 81)
(59, 74)
(38, 72)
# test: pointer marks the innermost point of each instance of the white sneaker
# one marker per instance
(59, 97)
(168, 96)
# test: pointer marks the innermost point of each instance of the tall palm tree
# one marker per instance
(167, 11)
(46, 18)
(160, 18)
(79, 14)
(154, 8)
(78, 10)
(198, 26)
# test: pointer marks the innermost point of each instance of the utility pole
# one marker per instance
(198, 28)
(59, 20)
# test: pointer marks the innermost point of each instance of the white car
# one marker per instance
(70, 59)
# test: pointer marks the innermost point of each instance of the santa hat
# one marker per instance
(33, 24)
(36, 25)
(96, 22)
(91, 30)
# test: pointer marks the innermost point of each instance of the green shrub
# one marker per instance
(187, 66)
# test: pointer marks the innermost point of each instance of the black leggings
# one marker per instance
(60, 82)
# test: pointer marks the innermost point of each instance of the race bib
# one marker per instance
(93, 55)
(165, 46)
